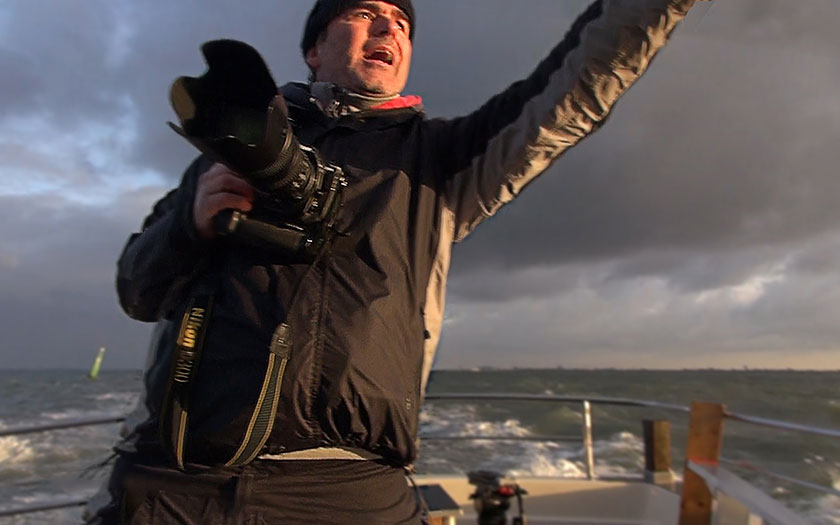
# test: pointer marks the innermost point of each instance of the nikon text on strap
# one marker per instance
(174, 419)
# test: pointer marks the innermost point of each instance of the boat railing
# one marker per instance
(705, 465)
(61, 425)
(586, 417)
(710, 492)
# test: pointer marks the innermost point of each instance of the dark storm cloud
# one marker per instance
(58, 267)
(810, 23)
(165, 45)
(739, 156)
(81, 62)
(777, 320)
(468, 51)
(63, 50)
(19, 83)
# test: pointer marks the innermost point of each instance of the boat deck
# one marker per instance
(552, 501)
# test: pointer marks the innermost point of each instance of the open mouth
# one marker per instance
(382, 55)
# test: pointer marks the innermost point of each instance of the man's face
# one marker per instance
(365, 49)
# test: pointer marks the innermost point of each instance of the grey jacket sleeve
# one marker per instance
(487, 157)
(159, 260)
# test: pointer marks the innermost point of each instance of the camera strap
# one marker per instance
(280, 349)
(188, 346)
(175, 418)
(262, 420)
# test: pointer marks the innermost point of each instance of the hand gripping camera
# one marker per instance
(234, 114)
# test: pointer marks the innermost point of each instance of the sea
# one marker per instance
(43, 467)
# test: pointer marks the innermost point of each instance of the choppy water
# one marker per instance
(39, 467)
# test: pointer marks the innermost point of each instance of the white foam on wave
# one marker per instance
(509, 427)
(827, 507)
(526, 458)
(121, 398)
(827, 511)
(40, 496)
(15, 450)
(444, 421)
(550, 460)
(566, 460)
(75, 413)
(39, 451)
(44, 450)
(620, 442)
(627, 447)
(514, 458)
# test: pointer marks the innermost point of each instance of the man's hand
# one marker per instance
(219, 189)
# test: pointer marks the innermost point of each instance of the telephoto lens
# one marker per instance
(234, 114)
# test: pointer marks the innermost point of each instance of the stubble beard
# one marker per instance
(370, 86)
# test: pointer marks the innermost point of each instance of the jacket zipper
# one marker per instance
(318, 352)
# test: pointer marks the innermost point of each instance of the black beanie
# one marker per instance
(326, 10)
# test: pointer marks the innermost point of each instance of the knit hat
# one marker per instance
(325, 11)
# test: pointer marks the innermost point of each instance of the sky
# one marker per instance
(698, 228)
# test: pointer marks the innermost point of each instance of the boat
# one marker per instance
(709, 491)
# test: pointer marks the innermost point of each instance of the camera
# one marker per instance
(234, 114)
(492, 496)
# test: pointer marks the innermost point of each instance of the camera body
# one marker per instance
(234, 114)
(492, 496)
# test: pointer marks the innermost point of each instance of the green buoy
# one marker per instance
(97, 363)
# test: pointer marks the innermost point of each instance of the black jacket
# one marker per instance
(368, 318)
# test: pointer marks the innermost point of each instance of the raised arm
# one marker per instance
(487, 157)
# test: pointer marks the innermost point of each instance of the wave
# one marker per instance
(826, 509)
(69, 515)
(618, 455)
(120, 398)
(42, 452)
(37, 454)
(544, 460)
(76, 413)
(15, 450)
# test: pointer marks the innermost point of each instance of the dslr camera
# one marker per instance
(234, 114)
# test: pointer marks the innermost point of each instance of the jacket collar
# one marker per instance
(311, 123)
(336, 103)
(407, 101)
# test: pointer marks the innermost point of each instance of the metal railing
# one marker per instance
(61, 425)
(586, 417)
(748, 501)
(782, 425)
(49, 427)
(585, 438)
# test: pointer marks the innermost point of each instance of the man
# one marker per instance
(357, 326)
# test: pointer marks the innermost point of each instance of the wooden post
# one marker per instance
(705, 439)
(657, 436)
